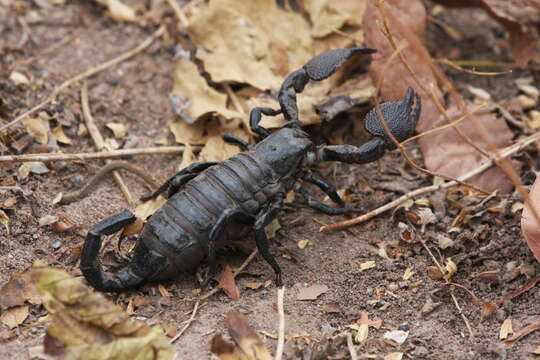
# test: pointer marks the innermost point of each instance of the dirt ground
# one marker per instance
(136, 93)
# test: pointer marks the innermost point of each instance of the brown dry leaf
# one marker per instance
(61, 137)
(303, 243)
(15, 316)
(38, 128)
(523, 332)
(362, 326)
(409, 272)
(188, 157)
(10, 202)
(86, 325)
(451, 269)
(529, 225)
(445, 151)
(367, 265)
(325, 18)
(253, 36)
(119, 130)
(506, 328)
(487, 309)
(216, 149)
(519, 17)
(254, 285)
(142, 212)
(21, 289)
(120, 11)
(193, 98)
(332, 307)
(163, 291)
(4, 219)
(228, 284)
(248, 344)
(312, 292)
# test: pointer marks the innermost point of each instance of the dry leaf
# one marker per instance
(272, 228)
(332, 307)
(395, 337)
(4, 220)
(248, 344)
(530, 227)
(19, 78)
(394, 356)
(119, 130)
(38, 128)
(451, 269)
(86, 325)
(367, 265)
(228, 284)
(58, 133)
(47, 220)
(10, 202)
(216, 149)
(120, 11)
(163, 291)
(303, 243)
(506, 328)
(362, 326)
(15, 316)
(312, 292)
(21, 289)
(142, 212)
(536, 351)
(409, 272)
(487, 309)
(254, 285)
(523, 332)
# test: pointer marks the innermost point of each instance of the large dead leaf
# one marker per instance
(193, 97)
(20, 289)
(216, 149)
(85, 325)
(246, 37)
(445, 152)
(38, 128)
(228, 284)
(248, 344)
(529, 225)
(519, 17)
(15, 316)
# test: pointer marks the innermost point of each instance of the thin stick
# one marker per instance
(98, 140)
(93, 155)
(352, 349)
(441, 269)
(238, 271)
(281, 313)
(194, 312)
(87, 74)
(182, 18)
(112, 166)
(234, 98)
(486, 165)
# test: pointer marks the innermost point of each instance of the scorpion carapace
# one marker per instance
(210, 201)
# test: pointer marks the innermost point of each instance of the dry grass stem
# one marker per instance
(193, 313)
(86, 74)
(352, 349)
(113, 154)
(281, 313)
(468, 71)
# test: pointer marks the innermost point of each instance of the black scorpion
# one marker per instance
(208, 202)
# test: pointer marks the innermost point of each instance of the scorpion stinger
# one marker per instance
(319, 68)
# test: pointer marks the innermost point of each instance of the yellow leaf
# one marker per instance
(4, 220)
(394, 356)
(163, 291)
(38, 128)
(303, 243)
(88, 326)
(119, 130)
(60, 136)
(408, 273)
(451, 269)
(367, 265)
(506, 328)
(142, 212)
(216, 149)
(120, 11)
(15, 316)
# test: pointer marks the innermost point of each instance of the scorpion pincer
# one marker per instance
(209, 201)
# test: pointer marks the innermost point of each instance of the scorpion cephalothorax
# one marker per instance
(208, 201)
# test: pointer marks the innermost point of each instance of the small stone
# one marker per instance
(526, 102)
(392, 287)
(500, 314)
(396, 337)
(404, 326)
(403, 284)
(56, 244)
(429, 306)
(529, 90)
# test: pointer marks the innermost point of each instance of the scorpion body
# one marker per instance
(208, 202)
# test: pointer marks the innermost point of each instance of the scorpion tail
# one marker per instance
(142, 267)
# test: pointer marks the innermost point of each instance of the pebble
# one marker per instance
(392, 287)
(404, 326)
(56, 244)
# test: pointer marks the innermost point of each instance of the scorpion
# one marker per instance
(210, 202)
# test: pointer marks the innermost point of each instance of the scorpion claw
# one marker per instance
(325, 64)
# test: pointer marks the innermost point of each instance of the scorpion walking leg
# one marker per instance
(178, 180)
(326, 187)
(328, 210)
(144, 265)
(235, 140)
(216, 233)
(255, 117)
(261, 239)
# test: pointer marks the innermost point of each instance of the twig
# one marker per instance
(112, 166)
(234, 98)
(474, 72)
(93, 155)
(352, 349)
(488, 63)
(235, 273)
(486, 165)
(98, 139)
(87, 74)
(182, 18)
(281, 313)
(442, 271)
(194, 312)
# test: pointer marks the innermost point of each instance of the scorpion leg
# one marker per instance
(145, 264)
(319, 206)
(217, 232)
(325, 186)
(255, 117)
(178, 180)
(261, 239)
(401, 118)
(235, 140)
